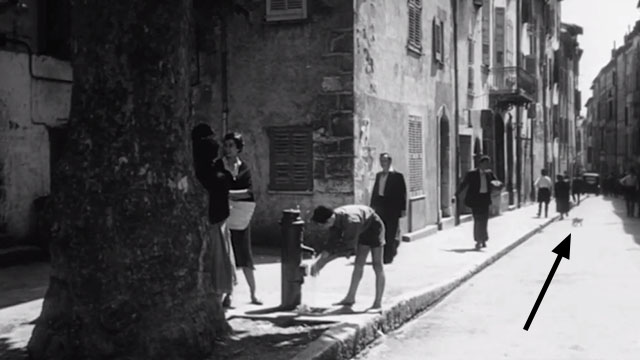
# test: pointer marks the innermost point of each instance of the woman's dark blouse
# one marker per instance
(217, 181)
(242, 181)
(562, 190)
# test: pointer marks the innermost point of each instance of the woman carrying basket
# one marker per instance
(242, 204)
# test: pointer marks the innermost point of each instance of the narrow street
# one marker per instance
(590, 311)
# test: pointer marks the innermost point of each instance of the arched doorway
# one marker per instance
(445, 166)
(509, 145)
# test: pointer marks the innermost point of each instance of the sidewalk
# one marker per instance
(423, 271)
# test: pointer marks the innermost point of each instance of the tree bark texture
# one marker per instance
(131, 263)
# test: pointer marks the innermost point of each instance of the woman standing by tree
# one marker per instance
(243, 204)
(216, 180)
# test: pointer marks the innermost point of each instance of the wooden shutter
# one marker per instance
(499, 39)
(437, 40)
(414, 41)
(416, 163)
(486, 36)
(509, 43)
(441, 34)
(291, 154)
(278, 10)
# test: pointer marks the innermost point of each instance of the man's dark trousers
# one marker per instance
(391, 222)
(481, 218)
(389, 207)
(480, 223)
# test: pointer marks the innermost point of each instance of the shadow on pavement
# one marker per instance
(7, 352)
(631, 225)
(267, 340)
(23, 283)
(462, 251)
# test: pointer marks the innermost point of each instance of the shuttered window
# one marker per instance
(416, 162)
(278, 10)
(509, 43)
(438, 41)
(486, 36)
(499, 38)
(291, 154)
(414, 42)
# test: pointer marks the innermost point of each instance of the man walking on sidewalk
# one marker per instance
(479, 182)
(353, 229)
(629, 185)
(389, 200)
(544, 186)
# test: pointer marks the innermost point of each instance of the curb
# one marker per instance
(344, 341)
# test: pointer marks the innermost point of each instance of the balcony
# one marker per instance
(512, 86)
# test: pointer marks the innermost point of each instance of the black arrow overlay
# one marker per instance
(563, 250)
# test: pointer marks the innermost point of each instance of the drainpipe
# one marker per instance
(518, 108)
(454, 6)
(545, 113)
(532, 142)
(224, 72)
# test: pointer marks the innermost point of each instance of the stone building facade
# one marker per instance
(613, 114)
(35, 95)
(320, 88)
(319, 92)
(566, 112)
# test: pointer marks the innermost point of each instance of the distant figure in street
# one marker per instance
(629, 185)
(389, 200)
(353, 229)
(562, 195)
(576, 189)
(241, 193)
(479, 182)
(216, 181)
(544, 186)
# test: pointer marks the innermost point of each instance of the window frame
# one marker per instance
(414, 32)
(305, 137)
(438, 41)
(286, 14)
(415, 157)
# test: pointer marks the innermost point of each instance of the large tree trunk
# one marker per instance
(130, 261)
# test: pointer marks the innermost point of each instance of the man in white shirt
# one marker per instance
(544, 186)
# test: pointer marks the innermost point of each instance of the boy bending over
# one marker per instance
(353, 229)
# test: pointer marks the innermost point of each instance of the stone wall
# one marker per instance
(27, 106)
(392, 84)
(281, 74)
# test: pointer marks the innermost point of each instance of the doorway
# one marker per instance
(445, 167)
(509, 176)
(499, 141)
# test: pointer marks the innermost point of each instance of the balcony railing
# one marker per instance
(513, 85)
